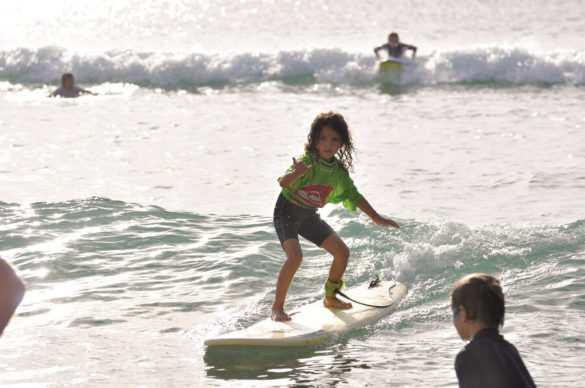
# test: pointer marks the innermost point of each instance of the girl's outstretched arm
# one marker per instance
(365, 206)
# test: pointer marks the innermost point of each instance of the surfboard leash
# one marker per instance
(363, 304)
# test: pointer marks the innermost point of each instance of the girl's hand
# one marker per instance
(301, 167)
(382, 221)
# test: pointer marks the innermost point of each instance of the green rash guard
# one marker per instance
(326, 182)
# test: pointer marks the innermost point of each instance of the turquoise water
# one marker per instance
(141, 218)
(130, 292)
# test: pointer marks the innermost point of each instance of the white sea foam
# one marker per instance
(513, 66)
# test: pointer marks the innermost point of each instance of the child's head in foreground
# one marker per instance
(329, 136)
(477, 302)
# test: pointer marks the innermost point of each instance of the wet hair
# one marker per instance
(66, 76)
(482, 297)
(337, 123)
(393, 35)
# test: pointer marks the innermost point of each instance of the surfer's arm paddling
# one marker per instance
(377, 49)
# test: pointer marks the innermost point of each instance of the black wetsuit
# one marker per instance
(491, 361)
(397, 51)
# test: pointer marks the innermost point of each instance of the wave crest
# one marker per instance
(184, 71)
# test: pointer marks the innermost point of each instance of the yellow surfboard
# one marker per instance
(314, 324)
(390, 69)
(390, 65)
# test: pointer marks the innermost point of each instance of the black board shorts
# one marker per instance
(291, 220)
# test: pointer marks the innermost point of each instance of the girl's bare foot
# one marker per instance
(279, 315)
(333, 302)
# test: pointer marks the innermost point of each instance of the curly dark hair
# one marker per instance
(337, 123)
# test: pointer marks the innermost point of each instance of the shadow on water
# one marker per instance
(393, 86)
(392, 89)
(298, 366)
(390, 78)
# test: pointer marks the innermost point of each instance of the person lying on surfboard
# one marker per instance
(394, 48)
(318, 177)
(68, 88)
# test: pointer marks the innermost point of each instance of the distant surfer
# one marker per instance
(68, 88)
(11, 293)
(395, 48)
(318, 177)
(488, 360)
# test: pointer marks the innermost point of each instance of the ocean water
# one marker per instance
(140, 219)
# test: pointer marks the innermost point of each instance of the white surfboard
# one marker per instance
(314, 324)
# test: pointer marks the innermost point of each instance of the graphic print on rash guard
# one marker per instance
(314, 195)
(325, 182)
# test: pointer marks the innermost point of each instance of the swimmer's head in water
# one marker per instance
(393, 39)
(67, 80)
(337, 123)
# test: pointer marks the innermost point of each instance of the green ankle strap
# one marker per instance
(331, 287)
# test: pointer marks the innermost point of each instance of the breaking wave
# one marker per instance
(513, 66)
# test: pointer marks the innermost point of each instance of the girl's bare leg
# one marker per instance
(294, 257)
(340, 252)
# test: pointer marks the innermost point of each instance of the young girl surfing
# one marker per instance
(318, 177)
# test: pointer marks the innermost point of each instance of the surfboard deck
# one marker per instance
(313, 323)
(390, 65)
(390, 71)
